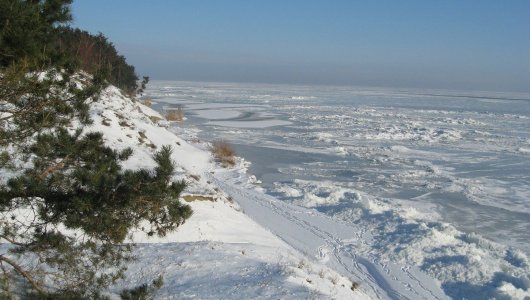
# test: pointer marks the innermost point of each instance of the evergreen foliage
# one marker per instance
(95, 53)
(27, 28)
(70, 206)
(30, 31)
(143, 84)
(142, 292)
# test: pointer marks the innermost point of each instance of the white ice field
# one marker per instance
(439, 180)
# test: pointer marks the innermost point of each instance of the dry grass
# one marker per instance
(194, 177)
(147, 102)
(124, 123)
(175, 114)
(223, 153)
(142, 137)
(191, 198)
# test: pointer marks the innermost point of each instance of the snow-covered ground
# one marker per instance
(295, 253)
(421, 193)
(314, 236)
(219, 252)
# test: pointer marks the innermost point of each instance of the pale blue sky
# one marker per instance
(470, 45)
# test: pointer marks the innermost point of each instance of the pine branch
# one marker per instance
(23, 273)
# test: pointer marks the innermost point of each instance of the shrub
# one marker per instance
(175, 114)
(144, 291)
(223, 153)
(147, 102)
(95, 53)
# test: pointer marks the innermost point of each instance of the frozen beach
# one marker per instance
(383, 196)
(439, 180)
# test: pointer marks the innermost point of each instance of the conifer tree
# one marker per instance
(95, 53)
(143, 84)
(27, 27)
(67, 206)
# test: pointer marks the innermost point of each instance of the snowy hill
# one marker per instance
(219, 252)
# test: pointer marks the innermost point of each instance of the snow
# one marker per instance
(301, 97)
(216, 221)
(415, 177)
(135, 123)
(217, 114)
(251, 124)
(310, 232)
(524, 150)
(242, 243)
(219, 252)
(214, 270)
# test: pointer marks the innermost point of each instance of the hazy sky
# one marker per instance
(480, 45)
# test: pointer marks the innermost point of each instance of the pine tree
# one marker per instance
(70, 206)
(143, 84)
(27, 27)
(95, 53)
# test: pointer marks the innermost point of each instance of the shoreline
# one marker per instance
(379, 280)
(218, 231)
(416, 237)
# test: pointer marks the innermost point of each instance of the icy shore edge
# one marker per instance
(220, 252)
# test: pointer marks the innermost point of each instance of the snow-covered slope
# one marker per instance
(243, 244)
(219, 252)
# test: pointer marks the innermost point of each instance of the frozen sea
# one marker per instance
(451, 158)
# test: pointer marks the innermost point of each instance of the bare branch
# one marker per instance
(13, 241)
